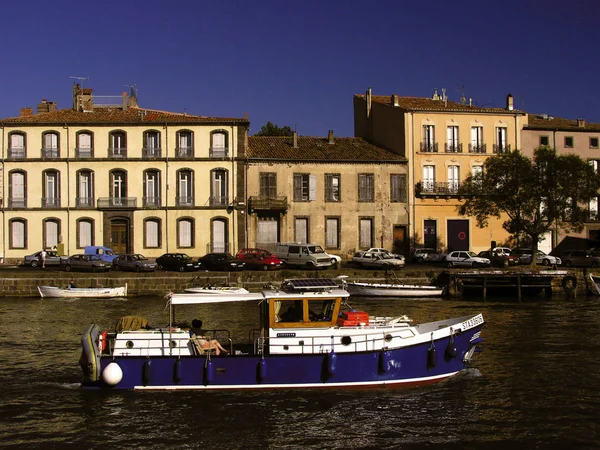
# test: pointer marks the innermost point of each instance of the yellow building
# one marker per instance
(344, 194)
(108, 172)
(443, 141)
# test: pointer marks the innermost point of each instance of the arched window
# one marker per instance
(85, 145)
(219, 144)
(185, 187)
(17, 145)
(18, 233)
(151, 197)
(51, 232)
(84, 197)
(152, 232)
(51, 189)
(218, 188)
(50, 145)
(17, 189)
(85, 232)
(151, 147)
(185, 144)
(118, 187)
(219, 236)
(185, 232)
(117, 141)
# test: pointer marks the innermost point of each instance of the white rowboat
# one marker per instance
(77, 292)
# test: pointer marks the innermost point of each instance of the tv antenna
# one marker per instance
(133, 87)
(80, 80)
(463, 99)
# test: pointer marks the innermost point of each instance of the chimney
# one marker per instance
(43, 107)
(435, 95)
(368, 99)
(395, 100)
(295, 139)
(124, 103)
(581, 123)
(26, 112)
(330, 138)
(51, 106)
(509, 102)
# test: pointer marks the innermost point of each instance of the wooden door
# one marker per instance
(119, 236)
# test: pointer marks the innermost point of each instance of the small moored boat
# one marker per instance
(595, 287)
(393, 290)
(79, 292)
(308, 337)
(211, 289)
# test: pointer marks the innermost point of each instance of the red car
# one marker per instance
(259, 259)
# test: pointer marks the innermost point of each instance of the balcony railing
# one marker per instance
(151, 202)
(184, 152)
(186, 200)
(429, 147)
(428, 188)
(501, 148)
(453, 148)
(117, 202)
(50, 202)
(218, 152)
(477, 148)
(218, 247)
(17, 202)
(84, 153)
(218, 200)
(49, 153)
(258, 203)
(117, 152)
(151, 152)
(16, 153)
(84, 202)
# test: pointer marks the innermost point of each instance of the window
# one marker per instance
(50, 145)
(219, 237)
(365, 229)
(268, 185)
(477, 145)
(51, 189)
(218, 188)
(17, 145)
(568, 141)
(185, 188)
(85, 189)
(85, 145)
(85, 232)
(544, 140)
(301, 230)
(17, 189)
(118, 145)
(595, 164)
(500, 146)
(428, 144)
(185, 233)
(453, 178)
(332, 232)
(332, 187)
(477, 173)
(398, 187)
(152, 233)
(118, 182)
(594, 208)
(185, 144)
(428, 178)
(218, 144)
(151, 147)
(366, 187)
(18, 233)
(51, 232)
(305, 187)
(593, 142)
(151, 197)
(452, 145)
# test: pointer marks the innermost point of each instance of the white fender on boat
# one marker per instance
(113, 374)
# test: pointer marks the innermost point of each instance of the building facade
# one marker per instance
(107, 172)
(443, 141)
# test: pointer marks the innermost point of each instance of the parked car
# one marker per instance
(581, 258)
(176, 261)
(504, 250)
(52, 259)
(220, 261)
(91, 263)
(134, 262)
(499, 258)
(105, 253)
(466, 259)
(306, 255)
(377, 260)
(383, 250)
(426, 254)
(524, 255)
(258, 258)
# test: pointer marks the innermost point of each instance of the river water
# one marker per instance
(535, 385)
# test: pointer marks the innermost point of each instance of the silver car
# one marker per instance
(466, 259)
(134, 262)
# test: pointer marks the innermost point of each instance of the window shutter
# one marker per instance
(312, 187)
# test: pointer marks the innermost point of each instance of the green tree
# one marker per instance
(539, 194)
(270, 129)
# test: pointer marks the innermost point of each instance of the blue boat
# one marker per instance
(308, 338)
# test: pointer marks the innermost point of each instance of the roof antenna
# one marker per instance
(463, 99)
(80, 80)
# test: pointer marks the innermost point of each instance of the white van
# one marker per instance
(306, 255)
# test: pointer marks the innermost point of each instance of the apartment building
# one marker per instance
(443, 142)
(345, 193)
(106, 171)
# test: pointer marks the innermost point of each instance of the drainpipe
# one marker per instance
(3, 199)
(246, 218)
(233, 183)
(66, 127)
(167, 188)
(411, 218)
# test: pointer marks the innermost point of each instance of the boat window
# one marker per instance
(320, 310)
(288, 311)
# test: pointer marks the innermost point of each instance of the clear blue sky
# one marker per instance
(299, 63)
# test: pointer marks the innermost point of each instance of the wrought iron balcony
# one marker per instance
(218, 247)
(117, 202)
(258, 203)
(16, 153)
(84, 202)
(117, 152)
(49, 153)
(17, 202)
(185, 200)
(453, 148)
(84, 152)
(218, 200)
(184, 152)
(151, 152)
(477, 148)
(437, 188)
(151, 202)
(50, 202)
(218, 152)
(501, 148)
(429, 147)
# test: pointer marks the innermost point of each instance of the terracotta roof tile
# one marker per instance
(545, 122)
(318, 149)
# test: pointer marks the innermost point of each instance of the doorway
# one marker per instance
(119, 236)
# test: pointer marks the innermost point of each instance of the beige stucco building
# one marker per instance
(344, 194)
(443, 141)
(108, 172)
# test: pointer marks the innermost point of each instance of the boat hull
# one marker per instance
(393, 290)
(406, 366)
(56, 292)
